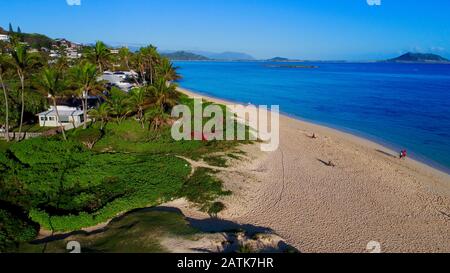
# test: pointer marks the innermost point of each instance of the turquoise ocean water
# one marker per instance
(402, 106)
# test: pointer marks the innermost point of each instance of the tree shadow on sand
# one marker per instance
(229, 229)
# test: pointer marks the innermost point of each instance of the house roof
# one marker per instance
(66, 112)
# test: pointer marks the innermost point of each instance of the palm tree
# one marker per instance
(140, 64)
(156, 118)
(119, 104)
(167, 71)
(165, 95)
(102, 114)
(139, 100)
(50, 81)
(23, 61)
(62, 62)
(4, 66)
(100, 54)
(148, 58)
(126, 57)
(85, 77)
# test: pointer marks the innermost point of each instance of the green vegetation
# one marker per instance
(36, 41)
(33, 128)
(217, 161)
(419, 58)
(66, 187)
(14, 230)
(245, 249)
(215, 208)
(148, 231)
(123, 158)
(98, 174)
(203, 188)
(185, 56)
(4, 146)
(137, 232)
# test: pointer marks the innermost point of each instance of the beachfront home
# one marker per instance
(120, 79)
(4, 37)
(70, 117)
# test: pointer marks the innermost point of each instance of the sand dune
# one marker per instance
(370, 195)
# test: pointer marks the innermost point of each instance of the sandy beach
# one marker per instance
(369, 195)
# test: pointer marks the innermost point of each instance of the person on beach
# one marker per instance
(403, 154)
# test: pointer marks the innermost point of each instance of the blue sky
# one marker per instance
(306, 29)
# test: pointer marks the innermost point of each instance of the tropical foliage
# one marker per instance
(122, 158)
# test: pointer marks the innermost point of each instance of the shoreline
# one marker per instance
(427, 163)
(370, 195)
(403, 204)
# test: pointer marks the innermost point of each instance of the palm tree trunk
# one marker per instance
(59, 120)
(151, 75)
(22, 83)
(85, 109)
(129, 69)
(6, 108)
(144, 81)
(141, 117)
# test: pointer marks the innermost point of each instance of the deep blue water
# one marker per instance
(398, 105)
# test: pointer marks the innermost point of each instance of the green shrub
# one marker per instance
(14, 229)
(203, 188)
(47, 151)
(82, 188)
(88, 137)
(216, 161)
(215, 208)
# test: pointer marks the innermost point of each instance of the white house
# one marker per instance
(4, 37)
(119, 78)
(70, 117)
(73, 54)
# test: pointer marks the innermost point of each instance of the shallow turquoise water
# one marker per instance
(403, 106)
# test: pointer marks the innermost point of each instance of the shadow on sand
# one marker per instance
(328, 164)
(386, 153)
(210, 225)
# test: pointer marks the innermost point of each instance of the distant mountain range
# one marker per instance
(226, 56)
(418, 58)
(38, 41)
(279, 59)
(184, 56)
(193, 55)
